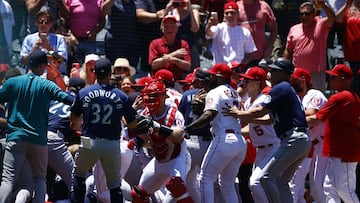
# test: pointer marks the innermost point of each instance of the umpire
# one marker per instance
(98, 110)
(290, 125)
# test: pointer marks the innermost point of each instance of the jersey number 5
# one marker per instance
(258, 130)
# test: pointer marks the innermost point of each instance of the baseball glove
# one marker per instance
(144, 125)
(198, 102)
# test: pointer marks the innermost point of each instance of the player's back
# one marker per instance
(102, 107)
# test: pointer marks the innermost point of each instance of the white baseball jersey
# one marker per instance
(218, 98)
(174, 97)
(315, 99)
(260, 134)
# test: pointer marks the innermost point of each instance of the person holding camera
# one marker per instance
(44, 40)
(231, 42)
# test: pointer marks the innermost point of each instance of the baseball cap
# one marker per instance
(264, 63)
(103, 65)
(222, 70)
(231, 5)
(76, 82)
(341, 70)
(188, 79)
(164, 74)
(302, 74)
(202, 74)
(169, 17)
(283, 64)
(143, 81)
(91, 57)
(123, 62)
(37, 58)
(255, 73)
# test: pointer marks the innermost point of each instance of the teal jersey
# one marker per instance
(28, 97)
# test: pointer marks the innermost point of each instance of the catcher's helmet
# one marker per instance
(151, 95)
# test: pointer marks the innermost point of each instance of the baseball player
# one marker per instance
(290, 125)
(101, 106)
(165, 138)
(29, 98)
(191, 106)
(314, 163)
(228, 147)
(261, 132)
(60, 159)
(341, 116)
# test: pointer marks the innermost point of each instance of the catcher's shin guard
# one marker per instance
(178, 190)
(139, 195)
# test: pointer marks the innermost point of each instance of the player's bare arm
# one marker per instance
(204, 119)
(256, 112)
(176, 136)
(313, 120)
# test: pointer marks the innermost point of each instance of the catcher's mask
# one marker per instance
(152, 95)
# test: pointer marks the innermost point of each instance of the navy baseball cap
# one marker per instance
(102, 66)
(77, 83)
(37, 58)
(283, 64)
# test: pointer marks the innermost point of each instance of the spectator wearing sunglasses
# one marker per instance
(43, 40)
(307, 41)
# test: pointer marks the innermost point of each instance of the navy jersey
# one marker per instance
(102, 107)
(59, 114)
(189, 116)
(286, 109)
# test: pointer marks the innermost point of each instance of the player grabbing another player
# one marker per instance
(228, 147)
(341, 141)
(261, 131)
(101, 106)
(290, 125)
(162, 132)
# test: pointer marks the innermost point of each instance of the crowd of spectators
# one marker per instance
(170, 40)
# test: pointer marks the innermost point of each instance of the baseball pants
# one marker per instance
(16, 152)
(277, 173)
(223, 157)
(340, 181)
(197, 147)
(155, 173)
(60, 159)
(263, 156)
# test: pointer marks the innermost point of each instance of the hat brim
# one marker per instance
(132, 70)
(273, 66)
(330, 72)
(246, 76)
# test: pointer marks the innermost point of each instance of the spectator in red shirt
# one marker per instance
(349, 16)
(168, 51)
(341, 141)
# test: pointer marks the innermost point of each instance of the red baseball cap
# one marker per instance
(302, 73)
(341, 70)
(142, 82)
(255, 73)
(164, 74)
(221, 69)
(169, 17)
(188, 79)
(231, 5)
